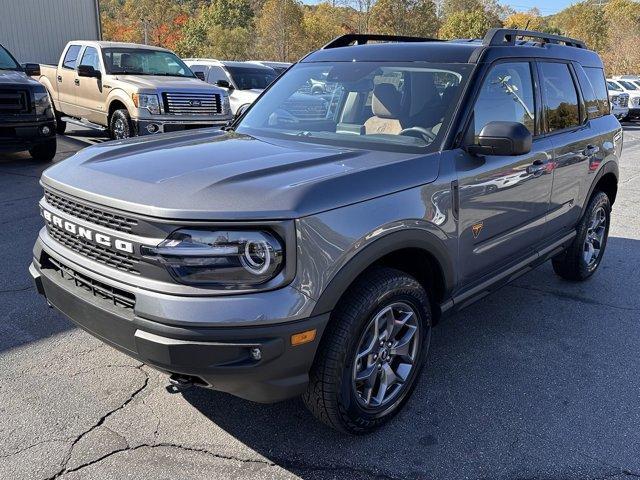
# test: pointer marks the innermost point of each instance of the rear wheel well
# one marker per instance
(609, 185)
(421, 265)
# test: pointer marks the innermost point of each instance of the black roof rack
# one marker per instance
(364, 38)
(508, 36)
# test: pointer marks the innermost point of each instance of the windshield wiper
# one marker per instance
(170, 75)
(128, 72)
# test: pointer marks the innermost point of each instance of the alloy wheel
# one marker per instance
(594, 241)
(386, 355)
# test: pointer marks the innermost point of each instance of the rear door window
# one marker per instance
(507, 95)
(596, 100)
(559, 96)
(71, 57)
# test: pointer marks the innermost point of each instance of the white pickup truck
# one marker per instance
(130, 90)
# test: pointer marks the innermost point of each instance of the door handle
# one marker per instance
(77, 82)
(60, 78)
(590, 150)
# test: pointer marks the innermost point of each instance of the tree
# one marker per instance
(405, 17)
(324, 22)
(530, 20)
(280, 30)
(466, 24)
(585, 21)
(231, 13)
(622, 54)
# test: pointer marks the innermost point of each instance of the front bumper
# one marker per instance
(634, 112)
(18, 136)
(153, 126)
(218, 357)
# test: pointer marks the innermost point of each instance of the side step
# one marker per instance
(84, 123)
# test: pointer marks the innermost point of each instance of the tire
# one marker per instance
(44, 152)
(333, 395)
(579, 261)
(120, 125)
(61, 126)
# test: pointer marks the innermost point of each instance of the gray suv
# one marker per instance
(311, 251)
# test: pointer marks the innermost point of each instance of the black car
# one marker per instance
(27, 121)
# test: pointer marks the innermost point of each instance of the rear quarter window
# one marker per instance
(595, 93)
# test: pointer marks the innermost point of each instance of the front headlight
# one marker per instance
(148, 101)
(42, 103)
(226, 259)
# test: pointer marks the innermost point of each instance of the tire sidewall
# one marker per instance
(366, 419)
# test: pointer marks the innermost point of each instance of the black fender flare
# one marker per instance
(609, 167)
(413, 238)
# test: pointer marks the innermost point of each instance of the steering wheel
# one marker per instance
(419, 132)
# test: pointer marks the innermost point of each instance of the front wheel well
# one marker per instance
(418, 263)
(115, 105)
(609, 185)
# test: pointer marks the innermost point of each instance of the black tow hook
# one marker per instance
(179, 383)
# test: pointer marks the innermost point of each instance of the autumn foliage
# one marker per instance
(288, 29)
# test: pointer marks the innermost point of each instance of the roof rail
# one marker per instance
(364, 38)
(507, 36)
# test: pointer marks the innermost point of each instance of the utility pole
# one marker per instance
(145, 27)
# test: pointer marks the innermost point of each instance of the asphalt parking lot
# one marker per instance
(538, 381)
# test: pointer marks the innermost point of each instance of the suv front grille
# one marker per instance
(100, 290)
(13, 101)
(205, 104)
(119, 260)
(90, 214)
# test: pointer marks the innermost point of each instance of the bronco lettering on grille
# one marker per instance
(87, 234)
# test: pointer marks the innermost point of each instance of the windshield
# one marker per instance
(139, 61)
(246, 78)
(6, 61)
(369, 105)
(628, 85)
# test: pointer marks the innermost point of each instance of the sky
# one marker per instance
(546, 7)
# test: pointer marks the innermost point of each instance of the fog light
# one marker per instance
(256, 354)
(45, 130)
(152, 128)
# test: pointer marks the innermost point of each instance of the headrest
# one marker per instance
(387, 101)
(129, 61)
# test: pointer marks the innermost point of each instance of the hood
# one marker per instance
(12, 77)
(168, 83)
(212, 175)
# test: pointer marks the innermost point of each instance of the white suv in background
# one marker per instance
(630, 88)
(618, 99)
(243, 81)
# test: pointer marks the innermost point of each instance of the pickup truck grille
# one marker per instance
(312, 109)
(14, 101)
(118, 260)
(90, 214)
(205, 104)
(115, 296)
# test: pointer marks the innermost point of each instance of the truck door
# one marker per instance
(91, 94)
(503, 200)
(66, 77)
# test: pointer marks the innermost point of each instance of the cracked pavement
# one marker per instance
(538, 381)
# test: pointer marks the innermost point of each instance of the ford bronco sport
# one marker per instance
(312, 255)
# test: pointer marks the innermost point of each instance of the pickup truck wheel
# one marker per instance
(61, 126)
(371, 353)
(45, 152)
(120, 125)
(585, 253)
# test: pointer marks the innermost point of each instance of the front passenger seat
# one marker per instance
(387, 109)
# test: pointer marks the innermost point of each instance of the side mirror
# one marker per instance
(241, 110)
(224, 84)
(200, 75)
(88, 71)
(502, 138)
(31, 69)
